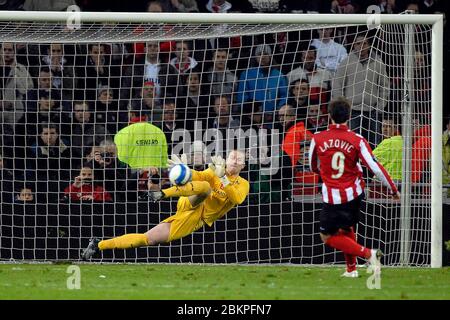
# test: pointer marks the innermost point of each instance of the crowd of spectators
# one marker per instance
(61, 104)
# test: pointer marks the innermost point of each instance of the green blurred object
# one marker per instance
(142, 145)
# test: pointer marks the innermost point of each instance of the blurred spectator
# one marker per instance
(264, 187)
(159, 6)
(28, 54)
(223, 118)
(44, 111)
(413, 6)
(389, 6)
(25, 195)
(293, 134)
(85, 189)
(95, 72)
(266, 6)
(15, 82)
(11, 5)
(253, 116)
(167, 46)
(137, 185)
(184, 5)
(218, 6)
(430, 6)
(317, 78)
(47, 5)
(107, 111)
(219, 79)
(266, 184)
(222, 6)
(342, 6)
(329, 53)
(84, 133)
(49, 161)
(315, 119)
(62, 72)
(170, 122)
(146, 104)
(193, 104)
(368, 98)
(6, 183)
(421, 82)
(446, 157)
(183, 62)
(109, 172)
(421, 153)
(263, 82)
(44, 88)
(299, 97)
(390, 151)
(150, 68)
(306, 180)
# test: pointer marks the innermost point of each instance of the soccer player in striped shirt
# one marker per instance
(335, 154)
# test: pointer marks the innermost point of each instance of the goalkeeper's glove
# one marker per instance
(174, 160)
(218, 166)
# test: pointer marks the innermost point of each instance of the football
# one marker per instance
(180, 174)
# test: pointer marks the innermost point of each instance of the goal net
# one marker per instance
(211, 87)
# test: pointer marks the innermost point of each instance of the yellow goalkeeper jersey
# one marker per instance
(222, 199)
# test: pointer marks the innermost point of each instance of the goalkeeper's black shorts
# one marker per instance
(340, 216)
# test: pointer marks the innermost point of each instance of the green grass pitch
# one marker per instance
(211, 282)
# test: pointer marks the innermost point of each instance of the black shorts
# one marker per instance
(340, 216)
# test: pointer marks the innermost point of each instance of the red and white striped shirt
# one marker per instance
(335, 155)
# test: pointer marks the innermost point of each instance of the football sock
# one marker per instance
(348, 246)
(127, 241)
(189, 189)
(350, 260)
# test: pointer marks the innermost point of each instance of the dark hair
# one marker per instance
(222, 49)
(91, 45)
(189, 43)
(220, 96)
(395, 121)
(49, 126)
(80, 102)
(169, 101)
(339, 110)
(20, 185)
(45, 69)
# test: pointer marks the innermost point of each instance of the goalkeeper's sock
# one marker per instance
(189, 189)
(348, 246)
(127, 241)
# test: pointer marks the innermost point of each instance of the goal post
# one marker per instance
(436, 146)
(273, 235)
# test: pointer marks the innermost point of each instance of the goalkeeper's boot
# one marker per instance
(91, 249)
(351, 274)
(155, 195)
(375, 261)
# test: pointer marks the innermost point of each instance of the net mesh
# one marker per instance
(65, 93)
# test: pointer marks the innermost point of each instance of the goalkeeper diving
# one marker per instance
(207, 197)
